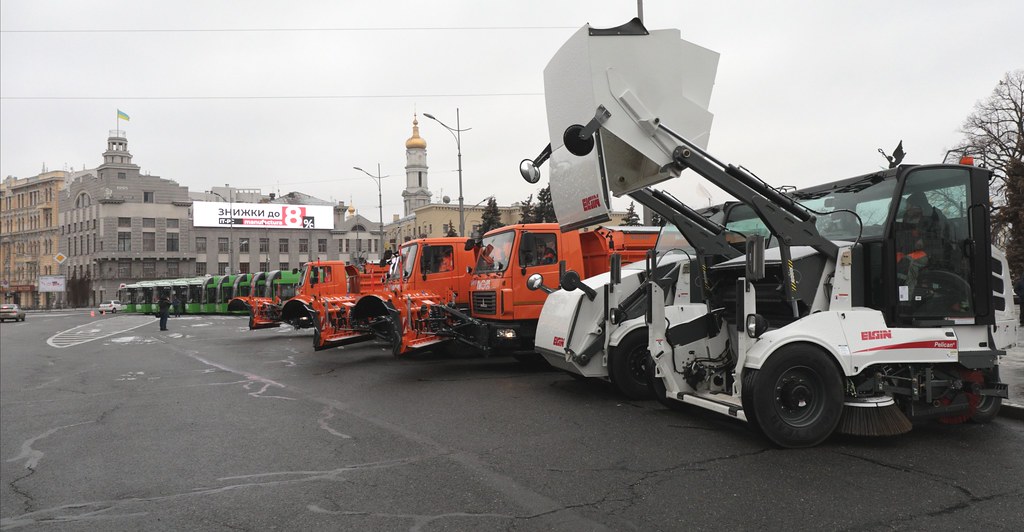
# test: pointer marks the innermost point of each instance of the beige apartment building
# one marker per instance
(29, 238)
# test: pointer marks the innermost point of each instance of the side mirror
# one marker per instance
(571, 281)
(755, 258)
(536, 282)
(616, 269)
(526, 243)
(470, 244)
(529, 171)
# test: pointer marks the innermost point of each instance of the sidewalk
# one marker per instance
(1011, 371)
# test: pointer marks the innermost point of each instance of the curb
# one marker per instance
(1012, 411)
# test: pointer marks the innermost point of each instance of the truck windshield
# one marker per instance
(671, 241)
(870, 200)
(407, 262)
(495, 252)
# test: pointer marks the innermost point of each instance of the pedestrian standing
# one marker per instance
(165, 311)
(177, 307)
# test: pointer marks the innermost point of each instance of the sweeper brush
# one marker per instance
(873, 416)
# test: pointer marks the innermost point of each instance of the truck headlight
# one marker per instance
(506, 333)
(756, 325)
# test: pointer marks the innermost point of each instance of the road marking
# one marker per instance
(96, 330)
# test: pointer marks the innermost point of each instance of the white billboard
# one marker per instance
(269, 215)
(52, 283)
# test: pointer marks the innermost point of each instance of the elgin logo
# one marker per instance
(876, 335)
(559, 341)
(591, 202)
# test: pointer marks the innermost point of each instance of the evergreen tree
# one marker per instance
(526, 208)
(632, 218)
(491, 218)
(451, 229)
(544, 211)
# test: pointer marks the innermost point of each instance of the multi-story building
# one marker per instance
(119, 226)
(242, 231)
(29, 237)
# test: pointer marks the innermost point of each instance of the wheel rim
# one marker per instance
(799, 396)
(637, 364)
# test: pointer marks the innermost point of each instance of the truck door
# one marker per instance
(437, 269)
(538, 253)
(939, 241)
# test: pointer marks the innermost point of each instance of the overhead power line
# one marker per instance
(257, 30)
(283, 97)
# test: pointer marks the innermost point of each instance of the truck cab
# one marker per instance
(509, 256)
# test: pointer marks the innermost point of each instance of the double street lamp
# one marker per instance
(380, 205)
(457, 133)
(231, 227)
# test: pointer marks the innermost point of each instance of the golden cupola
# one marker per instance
(415, 141)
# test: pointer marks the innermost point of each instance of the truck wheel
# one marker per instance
(797, 397)
(627, 366)
(987, 409)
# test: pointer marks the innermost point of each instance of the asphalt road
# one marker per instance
(110, 424)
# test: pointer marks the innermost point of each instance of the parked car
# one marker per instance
(10, 311)
(111, 306)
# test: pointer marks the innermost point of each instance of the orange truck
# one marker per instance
(425, 272)
(321, 278)
(503, 310)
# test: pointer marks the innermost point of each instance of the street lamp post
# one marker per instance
(457, 133)
(380, 206)
(231, 227)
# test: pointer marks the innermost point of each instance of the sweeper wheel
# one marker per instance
(797, 397)
(627, 366)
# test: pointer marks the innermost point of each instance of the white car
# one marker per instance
(111, 306)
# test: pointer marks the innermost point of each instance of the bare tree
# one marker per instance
(994, 136)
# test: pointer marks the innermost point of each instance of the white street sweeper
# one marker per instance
(880, 302)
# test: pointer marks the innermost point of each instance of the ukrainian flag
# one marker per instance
(121, 115)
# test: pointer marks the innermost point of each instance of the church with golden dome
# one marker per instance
(417, 193)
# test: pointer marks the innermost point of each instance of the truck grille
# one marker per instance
(484, 303)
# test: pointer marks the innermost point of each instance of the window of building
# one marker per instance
(243, 267)
(321, 245)
(124, 222)
(200, 268)
(124, 269)
(172, 223)
(124, 241)
(282, 245)
(122, 175)
(264, 245)
(285, 266)
(172, 241)
(303, 245)
(147, 197)
(149, 222)
(148, 269)
(243, 245)
(149, 241)
(222, 245)
(222, 268)
(200, 244)
(172, 268)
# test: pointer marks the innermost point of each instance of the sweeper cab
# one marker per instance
(878, 305)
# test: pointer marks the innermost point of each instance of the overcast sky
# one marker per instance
(291, 95)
